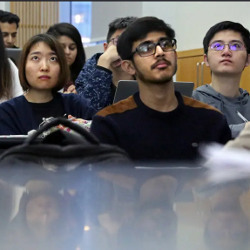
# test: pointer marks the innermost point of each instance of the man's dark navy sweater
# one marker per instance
(147, 134)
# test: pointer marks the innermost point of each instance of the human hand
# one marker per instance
(109, 56)
(82, 122)
(247, 125)
(74, 119)
(71, 89)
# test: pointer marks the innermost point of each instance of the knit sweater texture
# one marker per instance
(95, 83)
(228, 106)
(147, 134)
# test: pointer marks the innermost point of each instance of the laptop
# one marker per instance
(14, 54)
(126, 88)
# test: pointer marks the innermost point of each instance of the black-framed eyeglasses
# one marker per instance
(114, 40)
(233, 46)
(148, 48)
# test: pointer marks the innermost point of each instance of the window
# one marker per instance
(79, 14)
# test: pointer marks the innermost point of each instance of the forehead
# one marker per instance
(151, 36)
(117, 33)
(8, 27)
(65, 39)
(40, 47)
(227, 36)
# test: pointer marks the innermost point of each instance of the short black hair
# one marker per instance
(69, 30)
(119, 23)
(139, 30)
(227, 25)
(9, 17)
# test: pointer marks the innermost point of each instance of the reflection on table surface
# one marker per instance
(122, 207)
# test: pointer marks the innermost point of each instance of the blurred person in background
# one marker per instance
(99, 77)
(70, 39)
(227, 53)
(9, 24)
(9, 81)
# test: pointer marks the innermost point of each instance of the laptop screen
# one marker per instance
(126, 88)
(14, 54)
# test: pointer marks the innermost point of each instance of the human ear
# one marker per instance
(248, 60)
(206, 60)
(105, 46)
(128, 67)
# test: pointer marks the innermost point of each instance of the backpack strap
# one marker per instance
(65, 122)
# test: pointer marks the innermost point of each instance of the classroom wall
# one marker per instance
(191, 20)
(105, 12)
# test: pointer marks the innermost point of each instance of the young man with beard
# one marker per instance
(9, 24)
(156, 123)
(99, 76)
(227, 53)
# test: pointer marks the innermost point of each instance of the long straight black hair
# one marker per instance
(67, 29)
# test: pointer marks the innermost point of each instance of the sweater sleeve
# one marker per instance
(104, 130)
(94, 83)
(226, 133)
(15, 117)
(236, 129)
(77, 106)
(8, 124)
(242, 140)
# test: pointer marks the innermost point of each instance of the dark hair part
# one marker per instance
(9, 17)
(139, 30)
(119, 23)
(5, 73)
(67, 29)
(52, 42)
(227, 25)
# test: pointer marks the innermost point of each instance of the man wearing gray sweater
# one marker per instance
(227, 53)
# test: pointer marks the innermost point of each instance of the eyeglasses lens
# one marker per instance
(148, 48)
(166, 45)
(235, 46)
(114, 40)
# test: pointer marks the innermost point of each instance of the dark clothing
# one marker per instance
(147, 134)
(17, 115)
(228, 106)
(54, 108)
(95, 83)
(67, 85)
